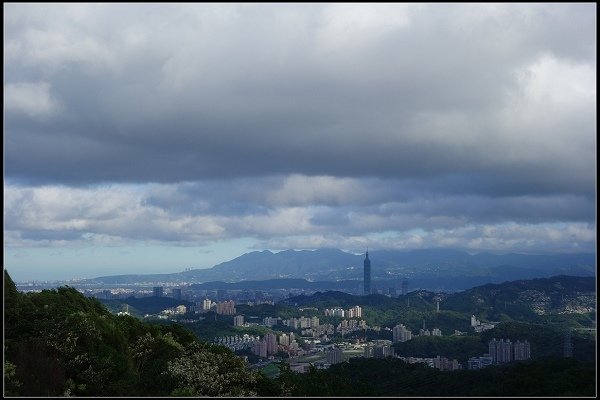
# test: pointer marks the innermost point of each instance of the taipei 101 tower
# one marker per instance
(367, 265)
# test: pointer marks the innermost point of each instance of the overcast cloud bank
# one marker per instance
(308, 125)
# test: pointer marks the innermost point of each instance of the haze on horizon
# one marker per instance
(148, 138)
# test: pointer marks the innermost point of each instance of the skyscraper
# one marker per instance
(367, 265)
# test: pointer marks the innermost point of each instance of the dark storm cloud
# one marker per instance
(235, 92)
(301, 125)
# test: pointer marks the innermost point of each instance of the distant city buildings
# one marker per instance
(522, 350)
(378, 349)
(176, 294)
(270, 321)
(479, 326)
(207, 304)
(354, 312)
(271, 341)
(480, 362)
(238, 320)
(445, 364)
(158, 291)
(334, 356)
(284, 339)
(334, 312)
(503, 351)
(226, 307)
(401, 334)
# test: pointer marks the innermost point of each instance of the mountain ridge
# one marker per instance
(335, 265)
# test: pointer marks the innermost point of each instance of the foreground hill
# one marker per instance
(59, 343)
(425, 268)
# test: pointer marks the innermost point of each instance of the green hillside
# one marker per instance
(561, 300)
(60, 343)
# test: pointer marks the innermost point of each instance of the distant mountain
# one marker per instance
(425, 268)
(278, 284)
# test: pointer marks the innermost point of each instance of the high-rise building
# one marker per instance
(401, 334)
(334, 356)
(238, 320)
(207, 304)
(354, 312)
(522, 350)
(367, 274)
(226, 307)
(501, 350)
(383, 351)
(284, 340)
(334, 312)
(176, 293)
(260, 348)
(271, 341)
(404, 287)
(157, 291)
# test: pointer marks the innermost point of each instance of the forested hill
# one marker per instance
(535, 300)
(59, 343)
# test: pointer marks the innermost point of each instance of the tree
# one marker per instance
(206, 370)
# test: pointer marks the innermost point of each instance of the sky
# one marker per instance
(150, 138)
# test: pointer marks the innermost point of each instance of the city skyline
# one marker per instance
(150, 138)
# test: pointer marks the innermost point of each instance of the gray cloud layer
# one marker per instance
(170, 93)
(311, 123)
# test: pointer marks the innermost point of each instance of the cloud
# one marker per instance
(215, 92)
(306, 125)
(31, 99)
(191, 214)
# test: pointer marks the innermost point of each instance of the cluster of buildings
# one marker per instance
(270, 345)
(401, 333)
(378, 349)
(236, 342)
(350, 325)
(179, 310)
(479, 326)
(441, 363)
(500, 352)
(311, 326)
(226, 307)
(503, 351)
(354, 312)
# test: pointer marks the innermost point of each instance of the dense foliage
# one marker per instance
(58, 342)
(392, 377)
(458, 347)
